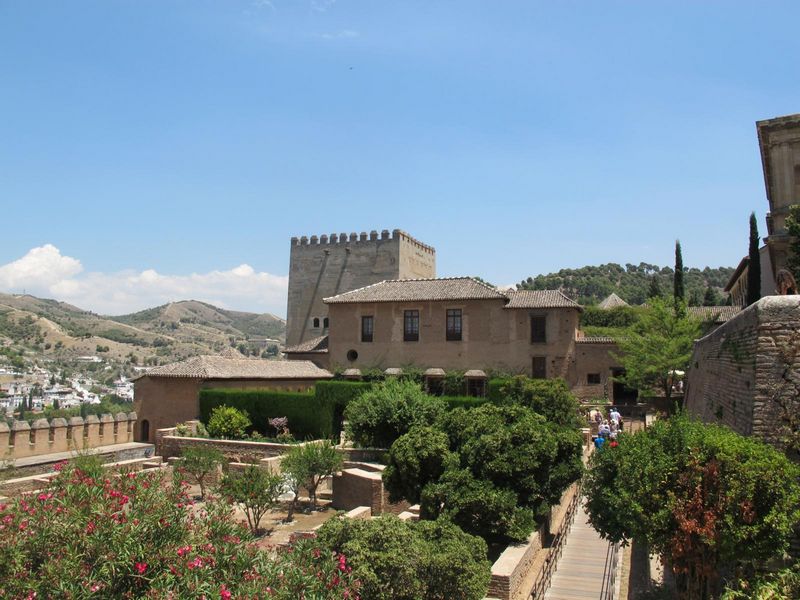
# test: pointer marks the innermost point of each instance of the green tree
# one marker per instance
(416, 459)
(793, 229)
(307, 466)
(711, 297)
(402, 560)
(679, 291)
(256, 489)
(388, 410)
(655, 291)
(659, 344)
(754, 264)
(701, 496)
(497, 469)
(201, 462)
(550, 398)
(227, 422)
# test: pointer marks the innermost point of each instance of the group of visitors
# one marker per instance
(607, 428)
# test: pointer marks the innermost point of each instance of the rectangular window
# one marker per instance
(539, 367)
(538, 330)
(366, 329)
(453, 324)
(593, 378)
(411, 326)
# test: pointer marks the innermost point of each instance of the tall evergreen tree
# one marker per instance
(655, 288)
(711, 298)
(678, 289)
(754, 265)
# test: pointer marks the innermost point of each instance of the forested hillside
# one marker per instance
(590, 284)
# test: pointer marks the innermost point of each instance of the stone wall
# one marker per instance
(326, 265)
(21, 440)
(356, 486)
(513, 567)
(740, 371)
(169, 445)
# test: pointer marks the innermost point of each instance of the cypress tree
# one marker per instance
(679, 290)
(711, 298)
(655, 288)
(754, 264)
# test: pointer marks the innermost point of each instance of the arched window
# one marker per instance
(316, 322)
(325, 323)
(145, 431)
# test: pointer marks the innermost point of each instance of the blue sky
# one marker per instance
(151, 148)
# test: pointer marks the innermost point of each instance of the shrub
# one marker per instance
(256, 489)
(416, 459)
(200, 462)
(388, 410)
(309, 465)
(136, 536)
(228, 423)
(401, 560)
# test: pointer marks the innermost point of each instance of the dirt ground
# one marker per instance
(274, 529)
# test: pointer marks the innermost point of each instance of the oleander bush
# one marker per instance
(229, 423)
(403, 560)
(136, 535)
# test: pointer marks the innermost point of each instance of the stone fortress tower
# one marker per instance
(327, 265)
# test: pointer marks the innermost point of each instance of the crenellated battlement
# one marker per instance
(361, 238)
(24, 439)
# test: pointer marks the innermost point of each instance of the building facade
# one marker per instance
(327, 265)
(779, 141)
(170, 394)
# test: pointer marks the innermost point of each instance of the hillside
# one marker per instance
(59, 331)
(590, 284)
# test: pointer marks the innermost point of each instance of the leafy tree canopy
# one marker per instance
(700, 495)
(658, 344)
(633, 283)
(401, 560)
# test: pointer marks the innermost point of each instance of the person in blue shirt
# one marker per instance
(598, 442)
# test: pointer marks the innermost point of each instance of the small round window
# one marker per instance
(352, 355)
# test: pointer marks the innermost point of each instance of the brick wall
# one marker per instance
(737, 372)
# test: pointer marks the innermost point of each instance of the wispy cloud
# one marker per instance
(322, 5)
(342, 34)
(44, 271)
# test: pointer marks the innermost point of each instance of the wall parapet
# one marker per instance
(22, 439)
(360, 238)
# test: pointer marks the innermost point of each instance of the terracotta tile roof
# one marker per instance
(219, 367)
(715, 314)
(317, 345)
(420, 290)
(540, 299)
(595, 339)
(612, 301)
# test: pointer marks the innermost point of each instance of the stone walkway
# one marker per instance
(579, 575)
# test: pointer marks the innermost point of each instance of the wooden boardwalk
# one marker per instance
(579, 575)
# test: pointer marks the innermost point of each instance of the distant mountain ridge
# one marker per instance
(591, 284)
(169, 332)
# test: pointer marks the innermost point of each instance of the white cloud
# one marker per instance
(45, 272)
(342, 34)
(322, 5)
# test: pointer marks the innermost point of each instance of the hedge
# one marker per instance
(494, 389)
(314, 415)
(309, 417)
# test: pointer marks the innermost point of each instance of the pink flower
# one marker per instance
(141, 568)
(224, 593)
(184, 550)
